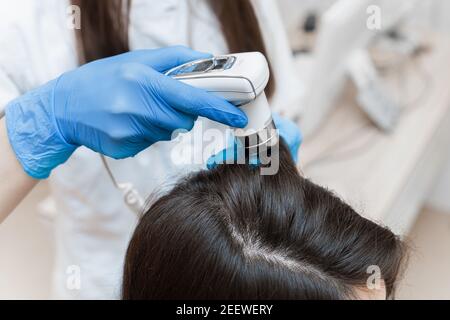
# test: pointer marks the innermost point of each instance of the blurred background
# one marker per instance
(374, 104)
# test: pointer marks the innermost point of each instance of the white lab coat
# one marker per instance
(92, 226)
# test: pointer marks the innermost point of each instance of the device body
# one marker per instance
(240, 79)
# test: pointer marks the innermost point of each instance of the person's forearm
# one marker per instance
(14, 182)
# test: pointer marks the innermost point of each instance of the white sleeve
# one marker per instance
(289, 89)
(8, 91)
(36, 45)
(12, 49)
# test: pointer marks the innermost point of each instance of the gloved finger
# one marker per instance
(228, 155)
(197, 102)
(223, 158)
(290, 132)
(234, 154)
(165, 58)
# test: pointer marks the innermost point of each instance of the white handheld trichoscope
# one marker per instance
(239, 78)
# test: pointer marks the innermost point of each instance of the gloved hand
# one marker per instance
(288, 131)
(116, 106)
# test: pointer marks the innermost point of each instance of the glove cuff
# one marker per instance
(33, 133)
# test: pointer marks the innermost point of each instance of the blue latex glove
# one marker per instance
(117, 106)
(288, 131)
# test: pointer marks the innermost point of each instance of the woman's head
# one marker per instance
(231, 233)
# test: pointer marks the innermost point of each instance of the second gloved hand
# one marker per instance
(117, 106)
(288, 131)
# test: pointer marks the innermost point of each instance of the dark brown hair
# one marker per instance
(232, 233)
(104, 28)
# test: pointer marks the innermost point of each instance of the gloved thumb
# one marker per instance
(164, 59)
